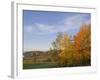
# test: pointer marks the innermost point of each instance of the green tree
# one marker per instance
(56, 48)
(56, 44)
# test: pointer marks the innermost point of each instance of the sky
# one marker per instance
(41, 27)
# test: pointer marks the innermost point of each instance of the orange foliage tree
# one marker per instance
(82, 42)
(74, 52)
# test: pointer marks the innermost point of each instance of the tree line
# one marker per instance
(73, 51)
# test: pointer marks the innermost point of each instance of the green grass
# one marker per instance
(40, 65)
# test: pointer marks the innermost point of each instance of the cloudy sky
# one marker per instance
(41, 27)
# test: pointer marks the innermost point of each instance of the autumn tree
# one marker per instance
(67, 49)
(64, 46)
(73, 51)
(82, 42)
(55, 49)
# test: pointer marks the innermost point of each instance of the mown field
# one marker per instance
(40, 65)
(37, 59)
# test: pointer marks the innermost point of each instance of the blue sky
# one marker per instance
(41, 27)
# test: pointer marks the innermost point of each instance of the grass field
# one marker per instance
(40, 65)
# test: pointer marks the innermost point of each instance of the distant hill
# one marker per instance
(30, 54)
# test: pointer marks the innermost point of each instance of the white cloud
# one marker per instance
(76, 21)
(68, 24)
(43, 27)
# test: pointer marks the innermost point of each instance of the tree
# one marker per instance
(55, 48)
(82, 42)
(66, 55)
(56, 44)
(53, 55)
(74, 52)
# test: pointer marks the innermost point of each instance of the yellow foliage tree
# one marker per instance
(74, 52)
(66, 46)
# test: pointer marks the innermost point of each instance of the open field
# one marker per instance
(39, 59)
(40, 65)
